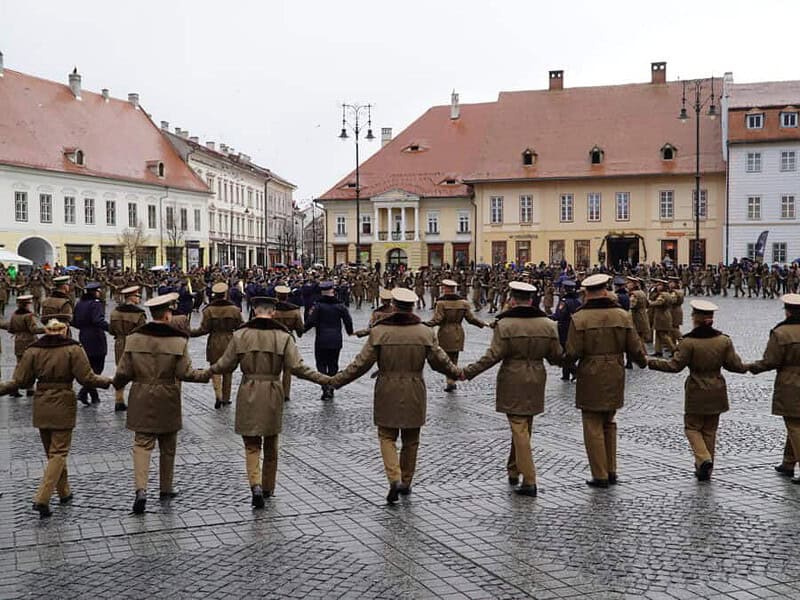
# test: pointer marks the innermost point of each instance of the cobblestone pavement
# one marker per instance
(461, 534)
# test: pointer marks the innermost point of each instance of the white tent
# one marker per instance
(8, 257)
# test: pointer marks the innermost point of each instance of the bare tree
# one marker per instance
(132, 240)
(175, 234)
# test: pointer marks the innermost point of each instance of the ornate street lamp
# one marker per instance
(354, 111)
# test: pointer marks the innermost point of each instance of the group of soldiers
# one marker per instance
(594, 334)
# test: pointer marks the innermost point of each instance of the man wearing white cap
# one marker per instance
(58, 305)
(523, 337)
(383, 311)
(600, 334)
(706, 352)
(124, 319)
(451, 309)
(783, 355)
(401, 345)
(24, 326)
(288, 315)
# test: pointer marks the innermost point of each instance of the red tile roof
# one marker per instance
(448, 149)
(764, 94)
(40, 120)
(629, 123)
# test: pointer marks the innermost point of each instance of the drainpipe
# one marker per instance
(475, 230)
(727, 202)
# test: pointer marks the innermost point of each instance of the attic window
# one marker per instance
(668, 152)
(351, 185)
(596, 155)
(414, 147)
(75, 156)
(79, 157)
(157, 168)
(450, 181)
(161, 169)
(528, 157)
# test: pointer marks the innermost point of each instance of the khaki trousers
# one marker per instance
(520, 459)
(791, 449)
(600, 439)
(256, 474)
(143, 444)
(56, 444)
(222, 386)
(664, 339)
(701, 431)
(453, 356)
(402, 468)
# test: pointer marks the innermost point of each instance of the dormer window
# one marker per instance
(789, 118)
(75, 156)
(449, 180)
(755, 120)
(157, 168)
(414, 147)
(668, 152)
(351, 185)
(596, 155)
(528, 157)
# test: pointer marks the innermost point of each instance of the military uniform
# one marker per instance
(24, 327)
(662, 322)
(328, 316)
(57, 305)
(289, 315)
(90, 320)
(124, 319)
(639, 315)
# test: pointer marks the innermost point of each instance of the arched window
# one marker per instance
(596, 155)
(528, 157)
(668, 152)
(79, 157)
(397, 256)
(161, 169)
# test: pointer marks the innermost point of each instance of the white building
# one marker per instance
(88, 178)
(760, 125)
(237, 213)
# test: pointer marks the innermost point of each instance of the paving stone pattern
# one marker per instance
(461, 534)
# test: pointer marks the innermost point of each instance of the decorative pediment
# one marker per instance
(395, 195)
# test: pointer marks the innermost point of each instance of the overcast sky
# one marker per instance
(267, 77)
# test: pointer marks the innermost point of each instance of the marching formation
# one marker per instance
(601, 325)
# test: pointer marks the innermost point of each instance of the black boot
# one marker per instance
(597, 483)
(120, 407)
(139, 502)
(258, 497)
(83, 396)
(43, 510)
(95, 396)
(394, 493)
(527, 490)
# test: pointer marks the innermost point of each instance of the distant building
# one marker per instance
(89, 179)
(762, 129)
(313, 220)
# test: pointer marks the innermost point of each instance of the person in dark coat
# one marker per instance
(236, 296)
(623, 299)
(90, 319)
(328, 316)
(568, 304)
(308, 291)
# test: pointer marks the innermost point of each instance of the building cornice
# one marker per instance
(587, 178)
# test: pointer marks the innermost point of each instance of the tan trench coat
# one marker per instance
(639, 313)
(220, 319)
(289, 315)
(450, 311)
(783, 354)
(122, 321)
(662, 312)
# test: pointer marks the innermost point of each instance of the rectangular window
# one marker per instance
(366, 225)
(45, 208)
(88, 211)
(133, 216)
(433, 222)
(754, 208)
(499, 253)
(523, 252)
(566, 209)
(197, 219)
(496, 204)
(755, 121)
(593, 207)
(556, 251)
(151, 216)
(170, 217)
(463, 222)
(788, 160)
(751, 251)
(69, 210)
(779, 252)
(184, 219)
(525, 209)
(582, 257)
(703, 203)
(788, 119)
(341, 225)
(21, 206)
(753, 162)
(666, 205)
(111, 213)
(623, 206)
(787, 207)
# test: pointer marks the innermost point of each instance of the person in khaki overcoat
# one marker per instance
(383, 311)
(600, 334)
(639, 309)
(24, 326)
(783, 355)
(401, 345)
(523, 337)
(156, 359)
(451, 309)
(124, 319)
(676, 308)
(59, 304)
(219, 320)
(52, 363)
(706, 352)
(264, 350)
(290, 316)
(662, 319)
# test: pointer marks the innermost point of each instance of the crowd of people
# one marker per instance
(593, 324)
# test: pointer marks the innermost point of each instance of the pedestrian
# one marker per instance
(401, 345)
(124, 319)
(706, 352)
(156, 359)
(599, 335)
(523, 338)
(662, 319)
(328, 317)
(58, 305)
(568, 305)
(288, 315)
(264, 350)
(24, 327)
(90, 320)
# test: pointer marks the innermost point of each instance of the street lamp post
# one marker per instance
(354, 112)
(699, 102)
(230, 239)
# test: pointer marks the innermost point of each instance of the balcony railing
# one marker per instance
(395, 236)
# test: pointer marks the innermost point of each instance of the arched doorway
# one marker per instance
(39, 250)
(397, 257)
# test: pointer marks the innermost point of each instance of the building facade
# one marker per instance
(762, 131)
(89, 179)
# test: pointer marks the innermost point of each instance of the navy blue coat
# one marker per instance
(623, 299)
(90, 318)
(563, 314)
(185, 301)
(328, 316)
(236, 296)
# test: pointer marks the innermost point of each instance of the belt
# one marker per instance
(259, 377)
(53, 385)
(157, 382)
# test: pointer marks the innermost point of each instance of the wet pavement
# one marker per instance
(461, 534)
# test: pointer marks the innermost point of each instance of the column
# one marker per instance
(416, 223)
(375, 224)
(389, 224)
(402, 223)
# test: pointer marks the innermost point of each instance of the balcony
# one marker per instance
(395, 236)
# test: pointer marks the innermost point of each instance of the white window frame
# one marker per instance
(341, 225)
(45, 208)
(754, 208)
(788, 160)
(169, 217)
(496, 210)
(750, 250)
(753, 162)
(779, 252)
(198, 219)
(366, 224)
(69, 210)
(788, 211)
(526, 209)
(755, 121)
(703, 203)
(111, 213)
(593, 207)
(789, 119)
(152, 219)
(21, 207)
(666, 205)
(432, 220)
(184, 215)
(566, 208)
(463, 218)
(623, 206)
(88, 211)
(133, 214)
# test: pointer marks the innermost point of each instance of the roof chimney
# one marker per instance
(556, 80)
(223, 147)
(455, 109)
(133, 98)
(165, 125)
(105, 93)
(184, 133)
(1, 64)
(386, 135)
(194, 139)
(658, 72)
(75, 83)
(210, 146)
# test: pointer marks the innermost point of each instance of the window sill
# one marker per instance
(496, 224)
(623, 220)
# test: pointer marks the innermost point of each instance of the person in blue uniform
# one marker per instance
(621, 291)
(235, 295)
(90, 319)
(567, 305)
(328, 316)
